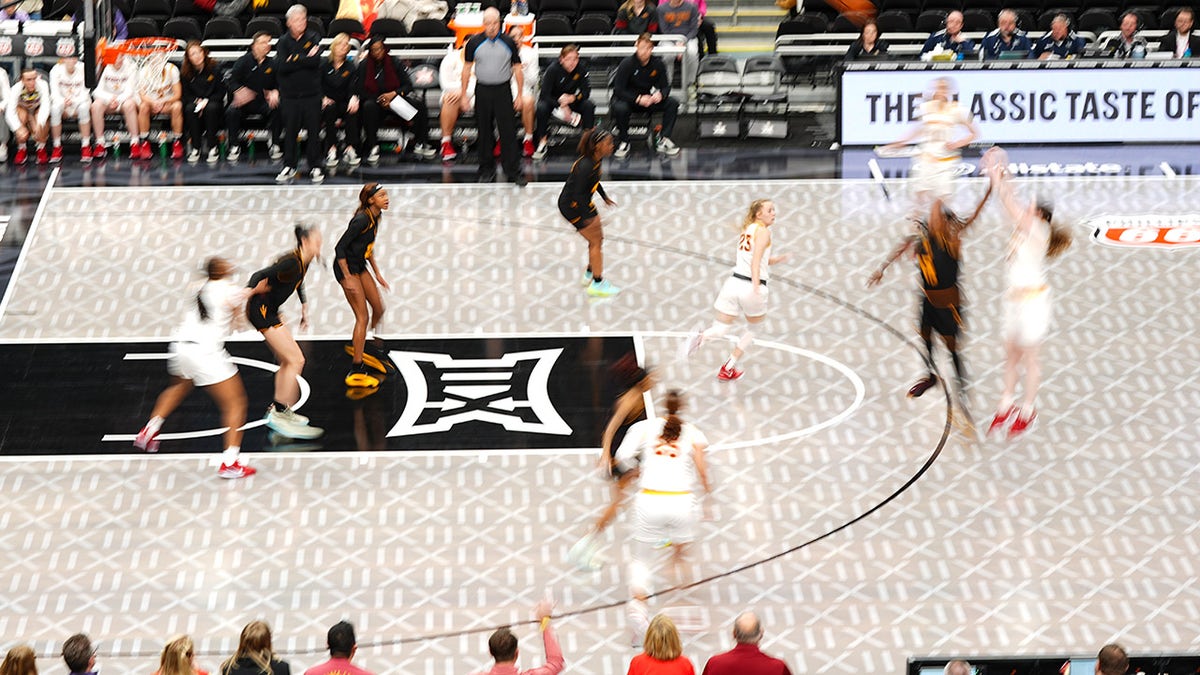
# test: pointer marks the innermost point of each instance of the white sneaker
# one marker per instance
(285, 174)
(214, 155)
(540, 153)
(316, 175)
(586, 279)
(424, 151)
(275, 152)
(193, 155)
(373, 155)
(691, 345)
(285, 423)
(331, 159)
(622, 151)
(582, 553)
(235, 153)
(666, 146)
(351, 157)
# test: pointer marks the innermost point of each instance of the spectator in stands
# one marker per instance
(868, 45)
(179, 658)
(662, 651)
(20, 660)
(385, 87)
(1112, 660)
(27, 112)
(342, 645)
(1129, 43)
(3, 122)
(79, 655)
(340, 102)
(298, 59)
(254, 655)
(454, 102)
(159, 93)
(503, 647)
(566, 94)
(1061, 42)
(252, 86)
(635, 17)
(525, 99)
(950, 38)
(746, 658)
(116, 91)
(491, 56)
(69, 96)
(958, 668)
(1181, 42)
(640, 84)
(203, 101)
(29, 10)
(681, 17)
(708, 31)
(1006, 38)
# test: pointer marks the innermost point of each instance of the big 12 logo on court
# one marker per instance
(1147, 231)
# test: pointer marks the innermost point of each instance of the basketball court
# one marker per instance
(862, 525)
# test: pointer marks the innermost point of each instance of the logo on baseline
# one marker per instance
(511, 391)
(1147, 231)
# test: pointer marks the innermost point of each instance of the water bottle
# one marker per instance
(522, 7)
(1139, 51)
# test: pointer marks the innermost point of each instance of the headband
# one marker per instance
(372, 191)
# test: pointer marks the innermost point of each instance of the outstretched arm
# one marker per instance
(904, 247)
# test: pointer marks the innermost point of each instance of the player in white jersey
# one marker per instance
(745, 292)
(198, 358)
(1027, 301)
(160, 93)
(669, 456)
(3, 122)
(116, 91)
(939, 142)
(69, 97)
(27, 112)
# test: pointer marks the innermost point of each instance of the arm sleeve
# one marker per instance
(237, 74)
(342, 249)
(469, 50)
(43, 114)
(694, 23)
(545, 91)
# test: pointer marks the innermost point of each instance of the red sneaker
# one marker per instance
(43, 157)
(56, 154)
(528, 149)
(496, 150)
(1001, 419)
(85, 154)
(1021, 425)
(923, 385)
(235, 470)
(99, 151)
(177, 150)
(21, 156)
(728, 374)
(448, 152)
(146, 441)
(145, 151)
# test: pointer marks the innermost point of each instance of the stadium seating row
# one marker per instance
(1093, 19)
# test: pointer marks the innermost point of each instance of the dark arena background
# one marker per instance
(871, 532)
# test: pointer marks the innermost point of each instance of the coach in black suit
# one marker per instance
(1181, 42)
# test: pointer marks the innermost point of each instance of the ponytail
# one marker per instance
(1060, 240)
(590, 140)
(674, 426)
(214, 268)
(301, 231)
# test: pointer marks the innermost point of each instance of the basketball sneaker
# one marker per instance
(193, 155)
(287, 423)
(177, 150)
(235, 470)
(85, 154)
(1000, 419)
(274, 152)
(622, 151)
(285, 174)
(359, 377)
(727, 374)
(21, 156)
(586, 279)
(99, 151)
(146, 441)
(923, 385)
(144, 151)
(691, 345)
(43, 157)
(602, 289)
(235, 152)
(351, 157)
(331, 157)
(527, 149)
(582, 553)
(56, 154)
(1021, 425)
(448, 151)
(540, 153)
(214, 155)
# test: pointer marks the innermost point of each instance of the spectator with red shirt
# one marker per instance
(503, 647)
(662, 651)
(342, 645)
(635, 17)
(746, 658)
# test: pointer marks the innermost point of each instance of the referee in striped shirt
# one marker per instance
(494, 58)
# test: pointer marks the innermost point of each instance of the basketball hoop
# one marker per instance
(145, 52)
